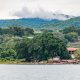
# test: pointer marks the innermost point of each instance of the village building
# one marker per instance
(72, 52)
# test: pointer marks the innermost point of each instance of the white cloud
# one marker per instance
(40, 13)
(37, 7)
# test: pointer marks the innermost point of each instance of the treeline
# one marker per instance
(17, 31)
(41, 47)
(15, 44)
(71, 33)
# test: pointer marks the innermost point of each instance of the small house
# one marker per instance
(72, 51)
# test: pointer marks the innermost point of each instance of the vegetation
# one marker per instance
(77, 54)
(16, 31)
(72, 37)
(71, 29)
(16, 44)
(37, 23)
(71, 33)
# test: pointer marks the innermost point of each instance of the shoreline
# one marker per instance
(58, 62)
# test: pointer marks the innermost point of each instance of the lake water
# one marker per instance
(39, 72)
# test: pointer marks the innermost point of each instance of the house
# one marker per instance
(72, 51)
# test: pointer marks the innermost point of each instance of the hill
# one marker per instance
(67, 23)
(27, 22)
(37, 23)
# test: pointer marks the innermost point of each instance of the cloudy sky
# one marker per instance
(37, 8)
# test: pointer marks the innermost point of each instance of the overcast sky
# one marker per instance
(37, 8)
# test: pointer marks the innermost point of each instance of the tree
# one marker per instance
(72, 36)
(17, 31)
(22, 49)
(8, 53)
(69, 29)
(47, 46)
(60, 36)
(29, 31)
(41, 47)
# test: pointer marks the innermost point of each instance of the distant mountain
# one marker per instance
(37, 23)
(62, 24)
(27, 22)
(67, 23)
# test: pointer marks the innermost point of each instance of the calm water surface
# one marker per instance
(39, 72)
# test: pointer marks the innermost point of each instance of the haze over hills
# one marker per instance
(61, 16)
(59, 21)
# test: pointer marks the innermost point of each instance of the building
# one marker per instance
(72, 51)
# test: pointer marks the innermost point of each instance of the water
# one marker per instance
(39, 72)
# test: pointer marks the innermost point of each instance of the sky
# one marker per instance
(10, 9)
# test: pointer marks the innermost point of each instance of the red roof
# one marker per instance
(72, 49)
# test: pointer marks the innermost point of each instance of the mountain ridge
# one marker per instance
(37, 23)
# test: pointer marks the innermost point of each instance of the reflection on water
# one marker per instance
(39, 72)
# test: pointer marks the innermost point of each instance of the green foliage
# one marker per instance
(29, 31)
(71, 29)
(16, 31)
(16, 45)
(8, 53)
(22, 48)
(60, 36)
(37, 23)
(47, 46)
(72, 37)
(77, 54)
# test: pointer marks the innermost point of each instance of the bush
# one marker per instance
(77, 54)
(72, 36)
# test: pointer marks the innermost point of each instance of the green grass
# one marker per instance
(16, 61)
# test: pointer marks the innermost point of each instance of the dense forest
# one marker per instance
(25, 43)
(18, 43)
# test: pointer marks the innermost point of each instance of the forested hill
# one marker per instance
(37, 23)
(27, 22)
(67, 23)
